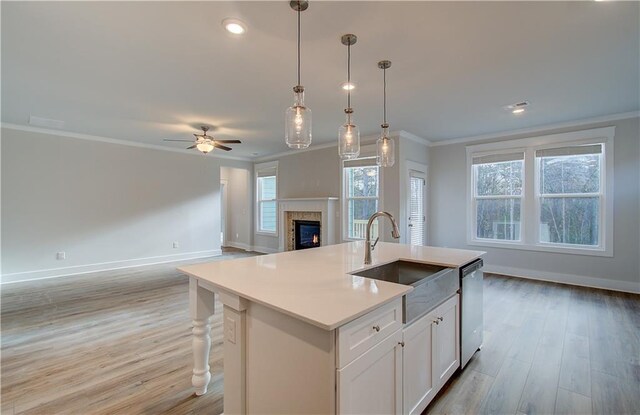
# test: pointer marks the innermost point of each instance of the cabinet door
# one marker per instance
(447, 340)
(372, 384)
(418, 377)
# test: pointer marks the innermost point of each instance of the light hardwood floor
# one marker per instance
(551, 348)
(119, 342)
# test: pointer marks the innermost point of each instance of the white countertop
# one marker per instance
(315, 286)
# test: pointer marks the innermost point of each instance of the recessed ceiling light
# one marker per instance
(348, 86)
(517, 108)
(234, 26)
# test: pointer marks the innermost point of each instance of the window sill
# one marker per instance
(542, 248)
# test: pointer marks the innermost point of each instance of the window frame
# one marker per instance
(530, 202)
(475, 197)
(261, 168)
(366, 152)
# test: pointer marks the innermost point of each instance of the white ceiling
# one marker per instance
(144, 71)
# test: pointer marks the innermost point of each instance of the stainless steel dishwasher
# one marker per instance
(471, 280)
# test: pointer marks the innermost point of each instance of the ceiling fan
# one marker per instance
(207, 143)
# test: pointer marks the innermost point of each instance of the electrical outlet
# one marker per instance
(230, 330)
(176, 245)
(61, 255)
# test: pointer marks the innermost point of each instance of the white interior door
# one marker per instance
(417, 213)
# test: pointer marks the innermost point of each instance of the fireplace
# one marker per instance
(307, 234)
(323, 211)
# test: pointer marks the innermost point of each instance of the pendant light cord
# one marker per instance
(298, 43)
(384, 105)
(349, 75)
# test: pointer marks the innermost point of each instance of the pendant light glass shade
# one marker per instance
(298, 117)
(348, 133)
(385, 146)
(385, 149)
(298, 123)
(348, 140)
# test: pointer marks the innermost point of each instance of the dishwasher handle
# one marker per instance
(474, 266)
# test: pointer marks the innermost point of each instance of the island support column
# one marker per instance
(235, 353)
(201, 308)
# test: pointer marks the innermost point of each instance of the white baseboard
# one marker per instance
(607, 284)
(264, 249)
(104, 266)
(238, 245)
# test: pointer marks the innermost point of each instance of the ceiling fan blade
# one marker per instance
(193, 146)
(229, 141)
(221, 147)
(178, 139)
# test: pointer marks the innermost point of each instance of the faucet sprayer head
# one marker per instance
(395, 232)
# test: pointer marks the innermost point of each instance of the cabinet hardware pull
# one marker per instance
(401, 344)
(436, 321)
(440, 318)
(376, 327)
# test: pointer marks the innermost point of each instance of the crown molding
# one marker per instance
(539, 129)
(88, 137)
(415, 138)
(292, 152)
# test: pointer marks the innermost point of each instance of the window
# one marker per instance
(550, 193)
(569, 194)
(266, 198)
(361, 196)
(497, 196)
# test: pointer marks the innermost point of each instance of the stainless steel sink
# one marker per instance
(432, 285)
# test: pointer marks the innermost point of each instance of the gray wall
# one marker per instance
(309, 174)
(316, 173)
(239, 209)
(106, 205)
(448, 201)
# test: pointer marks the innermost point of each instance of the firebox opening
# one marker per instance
(307, 234)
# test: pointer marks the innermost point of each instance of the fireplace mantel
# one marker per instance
(326, 206)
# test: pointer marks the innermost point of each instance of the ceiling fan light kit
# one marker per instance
(206, 143)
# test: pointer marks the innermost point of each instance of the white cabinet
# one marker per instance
(360, 335)
(447, 340)
(380, 371)
(431, 355)
(417, 364)
(372, 383)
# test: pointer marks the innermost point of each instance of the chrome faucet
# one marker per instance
(368, 247)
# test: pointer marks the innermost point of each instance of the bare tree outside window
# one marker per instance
(498, 198)
(570, 199)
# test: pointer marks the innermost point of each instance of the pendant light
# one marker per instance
(385, 147)
(349, 133)
(298, 116)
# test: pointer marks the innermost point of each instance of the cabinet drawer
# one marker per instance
(360, 335)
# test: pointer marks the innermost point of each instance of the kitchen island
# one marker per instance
(300, 330)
